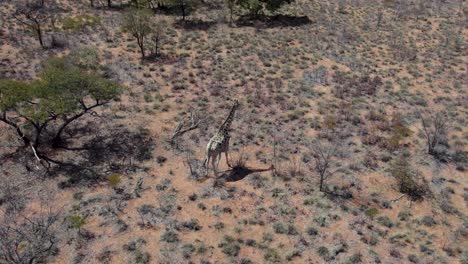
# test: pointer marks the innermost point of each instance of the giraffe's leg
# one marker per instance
(206, 164)
(215, 169)
(218, 160)
(227, 159)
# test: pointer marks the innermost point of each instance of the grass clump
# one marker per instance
(229, 246)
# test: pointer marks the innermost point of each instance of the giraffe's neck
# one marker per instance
(227, 123)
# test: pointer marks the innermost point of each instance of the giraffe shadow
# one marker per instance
(239, 172)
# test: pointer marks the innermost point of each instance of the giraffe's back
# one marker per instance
(218, 142)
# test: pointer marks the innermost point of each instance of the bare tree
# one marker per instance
(34, 14)
(185, 126)
(323, 153)
(435, 128)
(157, 37)
(231, 4)
(27, 239)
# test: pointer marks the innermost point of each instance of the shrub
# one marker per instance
(355, 258)
(406, 179)
(290, 229)
(413, 258)
(80, 22)
(170, 237)
(294, 253)
(192, 225)
(187, 250)
(229, 246)
(372, 212)
(114, 179)
(428, 221)
(76, 221)
(271, 256)
(324, 252)
(404, 215)
(385, 221)
(312, 231)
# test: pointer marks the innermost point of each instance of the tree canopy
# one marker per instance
(65, 91)
(257, 6)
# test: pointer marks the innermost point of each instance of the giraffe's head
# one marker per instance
(236, 104)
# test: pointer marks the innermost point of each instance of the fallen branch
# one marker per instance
(397, 199)
(194, 121)
(35, 154)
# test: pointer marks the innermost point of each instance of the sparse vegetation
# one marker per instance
(349, 144)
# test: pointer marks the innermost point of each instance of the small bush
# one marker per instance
(282, 229)
(312, 231)
(324, 253)
(407, 179)
(385, 221)
(193, 224)
(294, 253)
(80, 22)
(271, 256)
(355, 258)
(372, 212)
(170, 237)
(114, 179)
(428, 221)
(76, 221)
(404, 215)
(229, 246)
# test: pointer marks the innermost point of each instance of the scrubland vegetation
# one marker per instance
(349, 145)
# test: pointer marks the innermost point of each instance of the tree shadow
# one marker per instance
(118, 151)
(264, 21)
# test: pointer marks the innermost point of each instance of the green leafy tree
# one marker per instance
(252, 6)
(138, 22)
(141, 3)
(255, 7)
(66, 91)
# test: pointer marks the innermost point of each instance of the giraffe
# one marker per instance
(219, 143)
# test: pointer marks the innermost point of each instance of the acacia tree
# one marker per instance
(64, 93)
(138, 22)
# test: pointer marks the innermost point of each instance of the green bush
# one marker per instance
(76, 221)
(114, 179)
(80, 22)
(372, 212)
